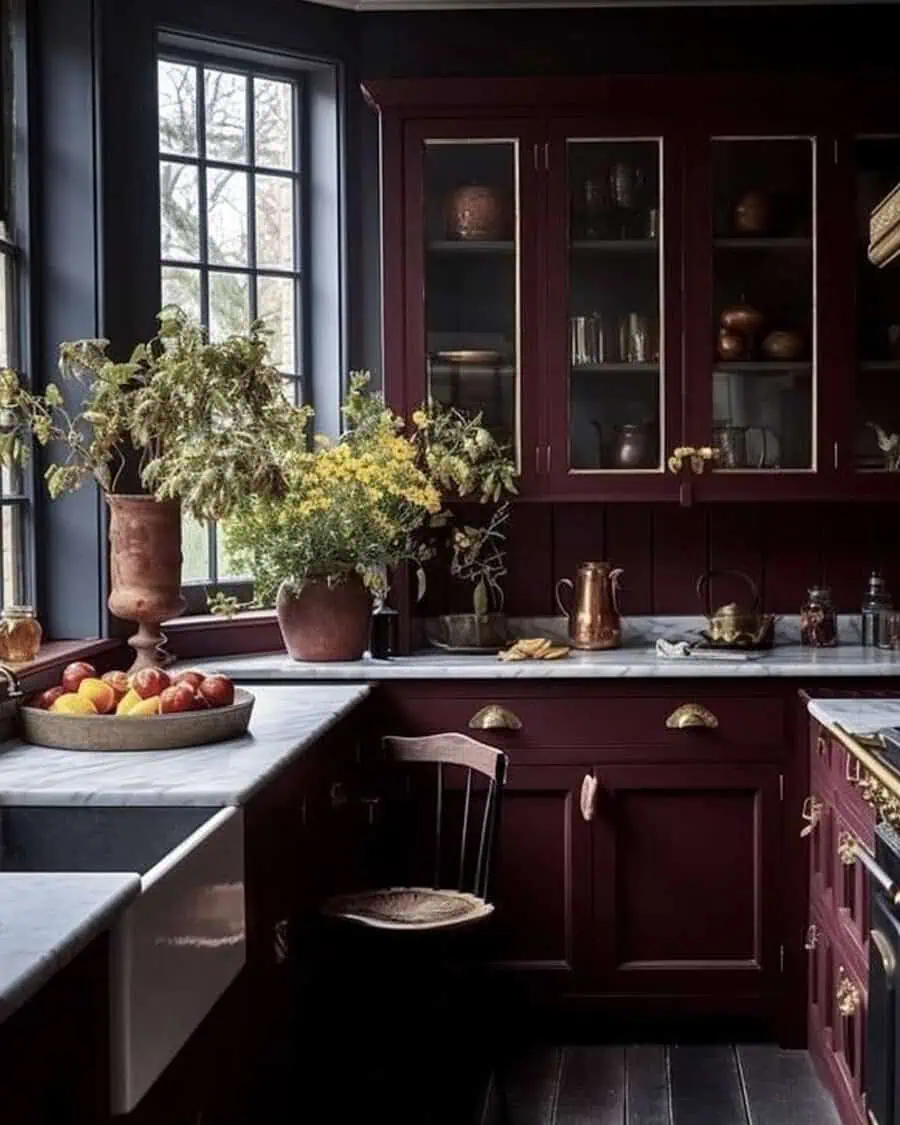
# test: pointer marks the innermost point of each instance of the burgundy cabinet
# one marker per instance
(686, 878)
(655, 288)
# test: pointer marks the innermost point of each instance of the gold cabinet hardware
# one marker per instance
(847, 994)
(495, 717)
(812, 937)
(588, 799)
(812, 814)
(700, 456)
(852, 771)
(678, 457)
(847, 849)
(690, 715)
(886, 953)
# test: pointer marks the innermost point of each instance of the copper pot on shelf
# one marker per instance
(784, 344)
(476, 213)
(753, 214)
(731, 345)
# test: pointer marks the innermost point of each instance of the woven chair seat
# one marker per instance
(409, 908)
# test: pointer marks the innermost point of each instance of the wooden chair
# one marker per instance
(408, 971)
(439, 908)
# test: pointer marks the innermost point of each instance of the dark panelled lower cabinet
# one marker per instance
(837, 939)
(659, 894)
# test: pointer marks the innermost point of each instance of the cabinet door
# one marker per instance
(613, 311)
(686, 878)
(472, 269)
(542, 879)
(754, 392)
(875, 410)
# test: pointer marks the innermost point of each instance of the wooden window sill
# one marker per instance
(55, 655)
(209, 636)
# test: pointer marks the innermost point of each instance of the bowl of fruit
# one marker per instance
(90, 712)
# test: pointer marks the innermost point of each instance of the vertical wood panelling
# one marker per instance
(680, 556)
(849, 550)
(579, 534)
(793, 548)
(629, 544)
(736, 541)
(529, 583)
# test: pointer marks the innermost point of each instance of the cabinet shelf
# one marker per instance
(875, 365)
(613, 368)
(762, 243)
(765, 367)
(461, 246)
(615, 245)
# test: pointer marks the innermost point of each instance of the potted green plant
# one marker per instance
(208, 422)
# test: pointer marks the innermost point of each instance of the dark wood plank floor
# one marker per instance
(664, 1085)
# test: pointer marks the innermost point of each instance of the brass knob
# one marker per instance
(495, 717)
(678, 457)
(700, 456)
(812, 937)
(588, 800)
(812, 814)
(848, 995)
(846, 849)
(852, 771)
(690, 715)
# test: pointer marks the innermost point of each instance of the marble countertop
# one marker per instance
(635, 661)
(856, 716)
(285, 721)
(47, 920)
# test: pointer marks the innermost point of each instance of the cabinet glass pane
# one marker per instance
(763, 293)
(877, 317)
(472, 279)
(615, 238)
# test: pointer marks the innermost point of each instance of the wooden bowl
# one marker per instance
(153, 732)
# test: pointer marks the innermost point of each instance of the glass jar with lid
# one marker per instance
(20, 634)
(818, 619)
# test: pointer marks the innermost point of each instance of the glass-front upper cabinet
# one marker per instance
(763, 335)
(876, 444)
(466, 323)
(612, 387)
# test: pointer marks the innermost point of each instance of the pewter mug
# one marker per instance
(594, 621)
(731, 442)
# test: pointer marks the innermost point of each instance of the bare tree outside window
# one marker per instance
(231, 202)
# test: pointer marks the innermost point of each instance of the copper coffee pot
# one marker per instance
(594, 621)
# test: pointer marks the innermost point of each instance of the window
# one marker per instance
(13, 500)
(231, 208)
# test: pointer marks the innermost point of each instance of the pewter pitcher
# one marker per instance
(594, 621)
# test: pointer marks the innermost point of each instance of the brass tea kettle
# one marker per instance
(733, 625)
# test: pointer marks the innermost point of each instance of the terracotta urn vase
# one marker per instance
(145, 566)
(325, 621)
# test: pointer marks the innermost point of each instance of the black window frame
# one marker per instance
(250, 64)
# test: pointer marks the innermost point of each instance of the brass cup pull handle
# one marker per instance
(812, 814)
(852, 771)
(588, 799)
(692, 715)
(847, 994)
(495, 717)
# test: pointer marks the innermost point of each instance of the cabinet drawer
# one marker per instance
(595, 723)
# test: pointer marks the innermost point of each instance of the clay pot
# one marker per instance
(325, 622)
(145, 568)
(745, 320)
(476, 212)
(784, 345)
(753, 214)
(731, 345)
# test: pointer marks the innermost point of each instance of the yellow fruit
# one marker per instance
(72, 704)
(129, 699)
(100, 694)
(145, 707)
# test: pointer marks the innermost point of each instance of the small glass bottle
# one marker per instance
(818, 620)
(20, 634)
(875, 603)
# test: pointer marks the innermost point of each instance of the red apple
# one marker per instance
(199, 703)
(218, 691)
(150, 681)
(46, 699)
(178, 697)
(195, 679)
(75, 673)
(118, 681)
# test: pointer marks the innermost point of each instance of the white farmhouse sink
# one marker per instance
(178, 945)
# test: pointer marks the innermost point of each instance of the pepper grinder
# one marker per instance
(876, 600)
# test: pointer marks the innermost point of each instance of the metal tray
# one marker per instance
(153, 732)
